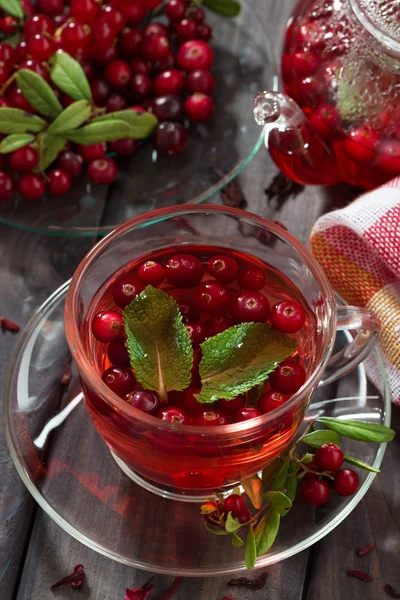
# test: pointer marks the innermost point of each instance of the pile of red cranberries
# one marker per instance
(129, 62)
(220, 294)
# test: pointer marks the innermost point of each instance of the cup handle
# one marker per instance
(367, 326)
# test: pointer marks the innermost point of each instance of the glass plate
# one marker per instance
(72, 475)
(217, 152)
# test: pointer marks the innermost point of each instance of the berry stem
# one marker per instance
(7, 83)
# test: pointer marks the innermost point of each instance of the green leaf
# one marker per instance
(50, 146)
(69, 77)
(15, 141)
(291, 482)
(269, 472)
(71, 117)
(38, 93)
(359, 430)
(320, 436)
(279, 480)
(360, 464)
(269, 533)
(260, 528)
(142, 123)
(231, 524)
(250, 553)
(254, 489)
(13, 8)
(14, 120)
(307, 458)
(236, 490)
(239, 358)
(214, 530)
(227, 8)
(158, 342)
(98, 132)
(279, 501)
(237, 541)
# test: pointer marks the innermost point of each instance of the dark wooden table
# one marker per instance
(35, 552)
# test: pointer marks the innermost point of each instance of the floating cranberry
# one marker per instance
(212, 297)
(184, 271)
(246, 413)
(204, 32)
(31, 186)
(117, 353)
(70, 162)
(74, 37)
(194, 55)
(197, 333)
(346, 482)
(125, 289)
(210, 418)
(169, 82)
(167, 108)
(361, 143)
(141, 85)
(249, 307)
(216, 325)
(155, 47)
(92, 152)
(129, 42)
(120, 380)
(118, 73)
(325, 121)
(107, 326)
(288, 377)
(59, 182)
(305, 62)
(186, 30)
(270, 400)
(235, 504)
(175, 10)
(124, 147)
(50, 7)
(251, 278)
(200, 81)
(147, 402)
(170, 138)
(103, 171)
(6, 186)
(199, 107)
(186, 400)
(24, 159)
(84, 11)
(230, 407)
(174, 415)
(287, 316)
(151, 273)
(315, 491)
(329, 457)
(38, 24)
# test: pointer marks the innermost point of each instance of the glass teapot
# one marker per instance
(339, 119)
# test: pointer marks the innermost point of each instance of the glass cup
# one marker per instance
(188, 462)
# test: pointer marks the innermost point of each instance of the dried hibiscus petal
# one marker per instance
(76, 579)
(282, 188)
(391, 592)
(140, 593)
(10, 326)
(228, 598)
(363, 551)
(172, 590)
(255, 584)
(359, 575)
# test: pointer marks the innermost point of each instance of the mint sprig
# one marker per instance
(158, 343)
(239, 358)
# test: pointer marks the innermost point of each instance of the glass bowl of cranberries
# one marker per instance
(339, 119)
(200, 335)
(195, 70)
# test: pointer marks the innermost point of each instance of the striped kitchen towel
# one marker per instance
(359, 250)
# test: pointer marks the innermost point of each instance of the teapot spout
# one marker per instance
(295, 148)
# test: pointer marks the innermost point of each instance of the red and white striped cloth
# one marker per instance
(359, 250)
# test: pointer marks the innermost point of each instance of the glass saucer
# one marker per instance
(216, 154)
(72, 475)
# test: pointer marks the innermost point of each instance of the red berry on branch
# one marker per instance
(8, 25)
(329, 457)
(70, 162)
(315, 491)
(346, 482)
(169, 82)
(31, 186)
(75, 37)
(103, 171)
(186, 30)
(199, 107)
(115, 18)
(156, 29)
(24, 159)
(155, 47)
(92, 152)
(135, 12)
(28, 8)
(194, 55)
(40, 47)
(50, 7)
(204, 32)
(59, 182)
(84, 11)
(175, 10)
(38, 24)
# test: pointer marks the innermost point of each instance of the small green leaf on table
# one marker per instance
(15, 120)
(254, 489)
(321, 436)
(69, 77)
(237, 541)
(361, 464)
(142, 123)
(279, 501)
(250, 553)
(101, 131)
(279, 479)
(49, 147)
(15, 141)
(227, 8)
(71, 117)
(239, 358)
(291, 482)
(231, 523)
(38, 93)
(13, 8)
(362, 431)
(269, 532)
(158, 343)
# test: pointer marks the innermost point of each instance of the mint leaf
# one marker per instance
(315, 439)
(239, 358)
(71, 117)
(237, 541)
(158, 342)
(359, 463)
(13, 8)
(14, 141)
(269, 533)
(362, 431)
(250, 553)
(227, 8)
(279, 501)
(142, 123)
(69, 76)
(101, 131)
(254, 489)
(291, 482)
(231, 524)
(38, 93)
(15, 120)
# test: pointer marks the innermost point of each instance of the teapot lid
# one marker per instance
(381, 19)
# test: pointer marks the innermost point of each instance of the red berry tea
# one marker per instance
(215, 289)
